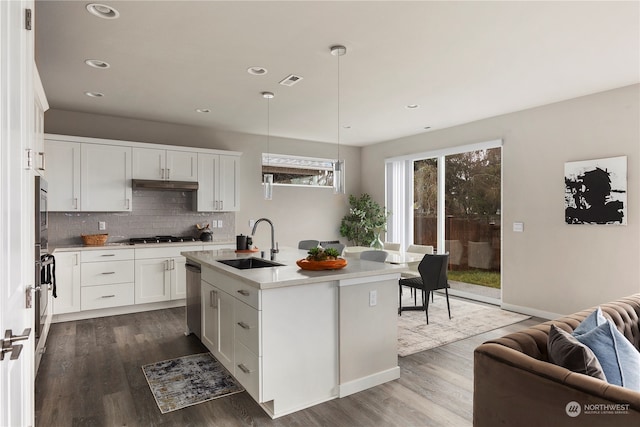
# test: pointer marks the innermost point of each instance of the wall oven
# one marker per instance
(44, 264)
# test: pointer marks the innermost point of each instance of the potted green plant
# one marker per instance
(364, 222)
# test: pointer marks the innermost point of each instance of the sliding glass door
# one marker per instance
(454, 206)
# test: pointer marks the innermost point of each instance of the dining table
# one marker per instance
(393, 257)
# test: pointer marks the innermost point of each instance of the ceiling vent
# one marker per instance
(290, 80)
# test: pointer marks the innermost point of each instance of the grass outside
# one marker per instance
(490, 279)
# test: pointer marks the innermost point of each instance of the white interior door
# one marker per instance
(16, 210)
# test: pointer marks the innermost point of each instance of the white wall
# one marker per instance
(552, 268)
(297, 213)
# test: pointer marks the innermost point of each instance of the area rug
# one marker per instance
(188, 380)
(467, 319)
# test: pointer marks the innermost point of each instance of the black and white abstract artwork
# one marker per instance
(596, 191)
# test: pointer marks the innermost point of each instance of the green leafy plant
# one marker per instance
(365, 218)
(320, 254)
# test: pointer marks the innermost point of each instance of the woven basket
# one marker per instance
(94, 239)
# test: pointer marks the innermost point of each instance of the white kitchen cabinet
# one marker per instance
(105, 178)
(160, 273)
(67, 283)
(63, 175)
(40, 105)
(217, 323)
(218, 177)
(106, 278)
(149, 163)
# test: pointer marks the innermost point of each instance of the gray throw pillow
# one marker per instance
(566, 351)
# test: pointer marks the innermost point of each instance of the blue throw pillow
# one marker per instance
(619, 359)
(596, 318)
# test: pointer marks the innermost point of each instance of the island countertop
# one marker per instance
(288, 274)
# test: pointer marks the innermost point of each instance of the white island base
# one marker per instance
(296, 343)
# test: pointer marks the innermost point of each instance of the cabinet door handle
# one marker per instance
(213, 299)
(244, 325)
(244, 293)
(29, 157)
(75, 203)
(108, 296)
(244, 368)
(168, 173)
(109, 272)
(108, 255)
(173, 264)
(221, 205)
(161, 173)
(42, 162)
(75, 259)
(127, 204)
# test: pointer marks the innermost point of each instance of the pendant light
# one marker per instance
(267, 178)
(338, 164)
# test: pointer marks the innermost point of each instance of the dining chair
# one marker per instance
(337, 246)
(433, 276)
(413, 269)
(308, 244)
(378, 256)
(391, 246)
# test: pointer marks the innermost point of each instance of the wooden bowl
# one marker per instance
(94, 239)
(333, 264)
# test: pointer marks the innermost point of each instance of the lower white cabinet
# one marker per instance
(106, 278)
(67, 283)
(218, 323)
(160, 273)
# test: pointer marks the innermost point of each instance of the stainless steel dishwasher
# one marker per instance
(193, 300)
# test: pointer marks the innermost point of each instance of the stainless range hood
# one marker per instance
(152, 184)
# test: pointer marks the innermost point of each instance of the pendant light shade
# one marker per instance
(267, 178)
(338, 165)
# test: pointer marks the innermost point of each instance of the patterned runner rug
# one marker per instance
(188, 380)
(467, 319)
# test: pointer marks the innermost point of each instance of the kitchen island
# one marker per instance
(296, 338)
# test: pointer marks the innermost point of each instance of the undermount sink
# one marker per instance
(247, 263)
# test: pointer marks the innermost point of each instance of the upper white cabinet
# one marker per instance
(105, 177)
(150, 163)
(63, 175)
(218, 182)
(40, 105)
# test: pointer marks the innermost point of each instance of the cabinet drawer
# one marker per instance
(105, 296)
(247, 326)
(106, 273)
(165, 252)
(247, 294)
(247, 370)
(106, 255)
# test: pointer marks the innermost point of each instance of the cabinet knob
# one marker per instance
(244, 369)
(244, 293)
(244, 325)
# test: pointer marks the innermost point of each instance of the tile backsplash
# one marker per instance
(155, 213)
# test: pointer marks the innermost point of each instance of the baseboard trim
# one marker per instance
(530, 311)
(369, 381)
(114, 311)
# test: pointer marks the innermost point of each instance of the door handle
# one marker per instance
(42, 162)
(9, 339)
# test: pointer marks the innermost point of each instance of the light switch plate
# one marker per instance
(518, 227)
(102, 225)
(373, 298)
(219, 223)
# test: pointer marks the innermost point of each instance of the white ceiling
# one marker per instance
(460, 61)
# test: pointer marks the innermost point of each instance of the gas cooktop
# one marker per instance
(161, 239)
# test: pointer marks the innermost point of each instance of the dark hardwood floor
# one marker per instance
(91, 376)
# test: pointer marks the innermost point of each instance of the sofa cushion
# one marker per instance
(619, 359)
(566, 351)
(596, 318)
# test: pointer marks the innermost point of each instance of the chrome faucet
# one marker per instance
(274, 246)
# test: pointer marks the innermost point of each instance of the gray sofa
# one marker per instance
(516, 385)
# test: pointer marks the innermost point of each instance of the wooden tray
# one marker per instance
(247, 251)
(337, 264)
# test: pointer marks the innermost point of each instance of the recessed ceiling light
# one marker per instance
(203, 110)
(94, 94)
(412, 106)
(96, 63)
(257, 71)
(102, 11)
